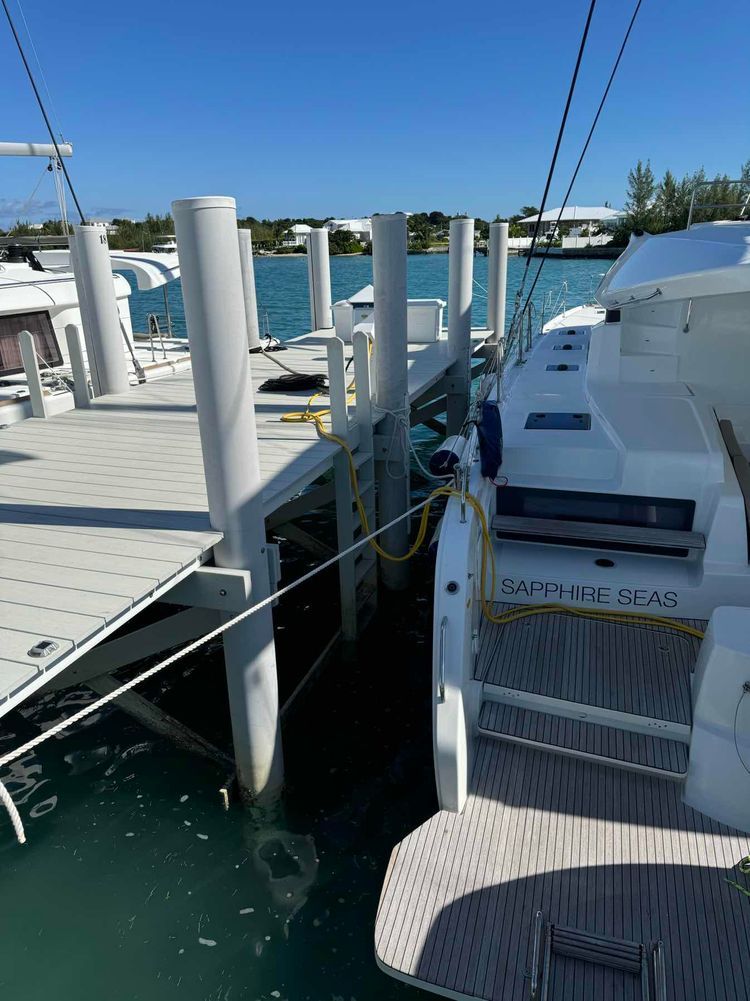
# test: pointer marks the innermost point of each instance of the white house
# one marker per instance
(296, 236)
(361, 229)
(579, 217)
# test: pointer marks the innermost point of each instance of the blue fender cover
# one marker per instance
(490, 428)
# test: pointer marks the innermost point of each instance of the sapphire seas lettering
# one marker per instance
(636, 597)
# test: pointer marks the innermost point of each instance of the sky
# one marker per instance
(338, 108)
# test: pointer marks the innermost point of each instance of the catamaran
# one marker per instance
(39, 293)
(591, 667)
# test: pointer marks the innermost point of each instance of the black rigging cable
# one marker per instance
(561, 130)
(584, 150)
(42, 109)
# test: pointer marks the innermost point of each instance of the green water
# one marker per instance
(136, 886)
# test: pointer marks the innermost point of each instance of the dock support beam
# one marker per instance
(101, 318)
(460, 277)
(319, 278)
(391, 393)
(248, 289)
(206, 230)
(497, 278)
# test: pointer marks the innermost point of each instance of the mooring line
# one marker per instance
(92, 707)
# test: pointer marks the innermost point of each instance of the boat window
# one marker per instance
(610, 509)
(38, 324)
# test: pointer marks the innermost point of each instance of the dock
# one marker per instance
(104, 510)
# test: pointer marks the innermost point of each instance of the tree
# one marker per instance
(639, 203)
(527, 210)
(668, 203)
(341, 241)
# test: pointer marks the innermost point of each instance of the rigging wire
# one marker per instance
(43, 110)
(553, 162)
(589, 137)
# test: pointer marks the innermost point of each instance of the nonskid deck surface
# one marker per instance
(594, 848)
(629, 668)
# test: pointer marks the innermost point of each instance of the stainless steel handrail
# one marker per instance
(441, 660)
(744, 205)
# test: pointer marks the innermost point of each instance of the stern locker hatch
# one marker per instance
(621, 522)
(39, 325)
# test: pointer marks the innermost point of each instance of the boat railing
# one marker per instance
(154, 331)
(731, 197)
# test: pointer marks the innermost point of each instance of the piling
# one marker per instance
(319, 279)
(248, 289)
(497, 280)
(460, 277)
(102, 331)
(206, 230)
(389, 239)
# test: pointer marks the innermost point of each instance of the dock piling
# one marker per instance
(248, 288)
(206, 230)
(102, 332)
(497, 270)
(460, 278)
(319, 278)
(391, 399)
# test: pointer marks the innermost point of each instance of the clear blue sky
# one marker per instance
(301, 108)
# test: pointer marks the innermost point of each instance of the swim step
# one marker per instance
(577, 738)
(599, 535)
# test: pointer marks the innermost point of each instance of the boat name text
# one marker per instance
(637, 597)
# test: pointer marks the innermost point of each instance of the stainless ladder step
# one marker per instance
(642, 960)
(608, 745)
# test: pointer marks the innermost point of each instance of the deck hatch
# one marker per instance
(558, 422)
(567, 347)
(562, 368)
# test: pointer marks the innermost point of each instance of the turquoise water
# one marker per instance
(135, 885)
(281, 284)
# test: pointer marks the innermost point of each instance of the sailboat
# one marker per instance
(591, 664)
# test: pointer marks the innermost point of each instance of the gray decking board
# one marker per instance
(102, 510)
(620, 746)
(595, 848)
(629, 668)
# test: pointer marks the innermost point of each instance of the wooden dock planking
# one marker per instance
(104, 510)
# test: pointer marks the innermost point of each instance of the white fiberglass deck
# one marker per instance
(103, 510)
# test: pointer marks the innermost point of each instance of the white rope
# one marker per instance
(93, 707)
(400, 424)
(15, 816)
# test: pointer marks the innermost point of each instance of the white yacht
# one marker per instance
(166, 245)
(38, 293)
(591, 670)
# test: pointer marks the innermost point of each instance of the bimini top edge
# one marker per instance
(708, 259)
(151, 270)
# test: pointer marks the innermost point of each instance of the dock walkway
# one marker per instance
(104, 510)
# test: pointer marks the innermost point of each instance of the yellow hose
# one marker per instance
(309, 416)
